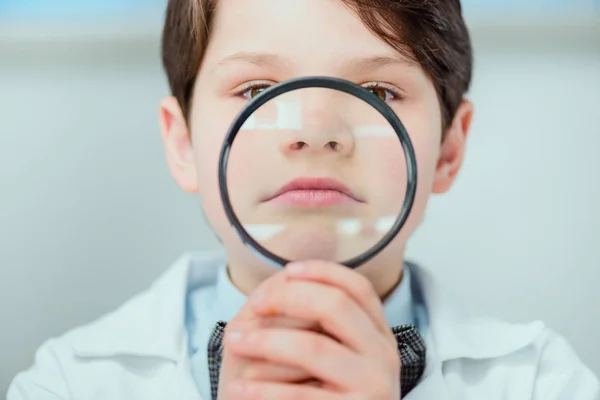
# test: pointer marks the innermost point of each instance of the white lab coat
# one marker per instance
(141, 352)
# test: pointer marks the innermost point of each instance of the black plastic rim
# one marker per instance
(325, 83)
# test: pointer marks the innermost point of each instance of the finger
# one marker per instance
(259, 369)
(273, 372)
(322, 357)
(338, 314)
(354, 284)
(281, 322)
(246, 311)
(247, 368)
(270, 321)
(253, 390)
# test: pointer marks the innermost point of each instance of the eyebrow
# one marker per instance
(259, 59)
(363, 64)
(360, 64)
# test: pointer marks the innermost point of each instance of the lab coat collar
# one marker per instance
(455, 332)
(152, 324)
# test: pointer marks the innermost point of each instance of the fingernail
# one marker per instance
(258, 297)
(296, 268)
(235, 389)
(271, 312)
(234, 336)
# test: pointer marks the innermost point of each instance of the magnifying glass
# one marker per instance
(317, 168)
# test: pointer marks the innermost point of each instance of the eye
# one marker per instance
(253, 92)
(252, 89)
(384, 92)
(381, 93)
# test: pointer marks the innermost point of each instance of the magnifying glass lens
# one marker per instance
(318, 173)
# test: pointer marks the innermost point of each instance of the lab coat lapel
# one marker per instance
(152, 325)
(187, 385)
(457, 333)
(452, 333)
(432, 385)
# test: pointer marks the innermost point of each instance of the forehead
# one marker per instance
(307, 32)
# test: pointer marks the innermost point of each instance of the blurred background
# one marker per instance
(89, 214)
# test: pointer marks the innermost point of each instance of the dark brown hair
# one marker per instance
(431, 32)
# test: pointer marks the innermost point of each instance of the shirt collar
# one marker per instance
(228, 300)
(398, 307)
(153, 323)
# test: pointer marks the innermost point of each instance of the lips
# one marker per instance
(314, 192)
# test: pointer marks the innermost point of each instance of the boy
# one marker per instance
(315, 330)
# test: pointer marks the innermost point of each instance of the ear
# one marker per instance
(177, 141)
(453, 149)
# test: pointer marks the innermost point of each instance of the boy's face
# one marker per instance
(262, 42)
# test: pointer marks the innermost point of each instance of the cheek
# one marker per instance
(393, 161)
(243, 171)
(427, 146)
(206, 152)
(208, 131)
(388, 175)
(392, 171)
(388, 170)
(243, 174)
(421, 122)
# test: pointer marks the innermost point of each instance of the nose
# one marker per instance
(324, 130)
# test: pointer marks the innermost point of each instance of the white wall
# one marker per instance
(89, 214)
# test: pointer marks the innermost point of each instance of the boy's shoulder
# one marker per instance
(145, 333)
(512, 358)
(150, 322)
